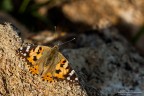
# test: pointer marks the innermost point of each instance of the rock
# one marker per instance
(108, 64)
(16, 80)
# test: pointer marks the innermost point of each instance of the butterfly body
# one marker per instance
(48, 63)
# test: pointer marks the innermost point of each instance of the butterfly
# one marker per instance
(48, 63)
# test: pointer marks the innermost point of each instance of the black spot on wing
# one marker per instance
(40, 48)
(64, 61)
(34, 58)
(58, 71)
(61, 65)
(38, 52)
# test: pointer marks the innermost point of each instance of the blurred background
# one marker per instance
(104, 32)
(44, 21)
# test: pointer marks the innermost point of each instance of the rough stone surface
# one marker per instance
(15, 80)
(108, 63)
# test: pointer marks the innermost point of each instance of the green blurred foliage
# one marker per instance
(23, 6)
(6, 5)
(26, 12)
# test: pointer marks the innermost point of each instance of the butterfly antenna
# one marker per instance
(66, 42)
